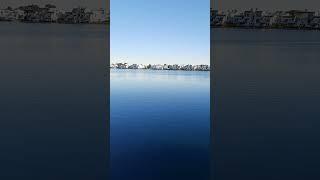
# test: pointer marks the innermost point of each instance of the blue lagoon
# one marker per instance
(160, 124)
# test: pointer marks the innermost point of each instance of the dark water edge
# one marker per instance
(53, 101)
(266, 111)
(265, 28)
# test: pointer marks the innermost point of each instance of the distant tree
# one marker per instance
(9, 8)
(50, 6)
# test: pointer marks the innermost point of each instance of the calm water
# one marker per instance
(53, 106)
(160, 124)
(267, 104)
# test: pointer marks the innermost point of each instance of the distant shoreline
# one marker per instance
(160, 70)
(26, 22)
(303, 20)
(49, 13)
(169, 67)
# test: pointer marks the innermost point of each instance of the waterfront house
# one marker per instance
(49, 13)
(122, 65)
(56, 14)
(141, 66)
(282, 19)
(174, 67)
(65, 17)
(80, 15)
(258, 19)
(19, 15)
(217, 18)
(275, 19)
(248, 18)
(234, 19)
(34, 13)
(7, 14)
(287, 21)
(133, 66)
(301, 14)
(201, 67)
(77, 15)
(292, 19)
(157, 67)
(266, 19)
(45, 15)
(238, 20)
(187, 67)
(30, 13)
(302, 18)
(98, 16)
(315, 22)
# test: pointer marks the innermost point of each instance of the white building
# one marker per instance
(141, 66)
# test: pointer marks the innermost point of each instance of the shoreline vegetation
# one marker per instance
(258, 19)
(51, 14)
(188, 67)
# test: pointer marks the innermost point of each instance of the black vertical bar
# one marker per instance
(108, 89)
(212, 96)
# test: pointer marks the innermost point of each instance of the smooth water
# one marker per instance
(53, 110)
(267, 98)
(160, 124)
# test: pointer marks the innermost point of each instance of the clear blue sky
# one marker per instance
(160, 31)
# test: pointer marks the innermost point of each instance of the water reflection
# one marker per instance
(160, 125)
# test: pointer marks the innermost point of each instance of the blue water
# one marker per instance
(267, 98)
(160, 124)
